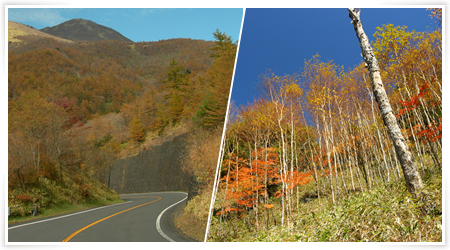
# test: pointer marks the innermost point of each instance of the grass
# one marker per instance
(13, 33)
(247, 247)
(59, 209)
(193, 219)
(386, 213)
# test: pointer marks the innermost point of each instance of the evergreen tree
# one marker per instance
(176, 107)
(212, 110)
(137, 133)
(177, 77)
(177, 82)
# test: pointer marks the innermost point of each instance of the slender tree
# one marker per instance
(411, 175)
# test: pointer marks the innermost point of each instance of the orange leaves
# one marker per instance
(246, 181)
(295, 178)
(268, 206)
(228, 209)
(326, 162)
(278, 194)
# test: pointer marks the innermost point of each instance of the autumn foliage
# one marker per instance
(74, 108)
(319, 133)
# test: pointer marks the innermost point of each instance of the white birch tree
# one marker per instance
(412, 177)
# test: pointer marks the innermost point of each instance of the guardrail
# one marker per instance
(34, 210)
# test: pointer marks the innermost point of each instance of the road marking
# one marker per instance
(138, 197)
(90, 225)
(36, 222)
(158, 226)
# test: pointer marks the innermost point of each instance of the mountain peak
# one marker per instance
(80, 29)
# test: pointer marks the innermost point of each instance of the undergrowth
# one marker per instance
(76, 190)
(194, 218)
(386, 213)
(249, 247)
(200, 161)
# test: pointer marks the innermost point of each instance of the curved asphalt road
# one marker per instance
(146, 217)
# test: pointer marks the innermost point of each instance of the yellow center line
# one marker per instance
(126, 197)
(90, 225)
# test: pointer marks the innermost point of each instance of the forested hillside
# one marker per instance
(312, 160)
(205, 140)
(73, 108)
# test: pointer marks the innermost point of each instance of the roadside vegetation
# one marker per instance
(204, 141)
(79, 192)
(61, 209)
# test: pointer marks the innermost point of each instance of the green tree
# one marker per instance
(177, 82)
(212, 110)
(177, 77)
(222, 41)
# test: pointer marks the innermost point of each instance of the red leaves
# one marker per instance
(432, 131)
(71, 109)
(414, 101)
(24, 197)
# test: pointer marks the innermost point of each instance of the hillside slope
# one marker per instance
(17, 32)
(95, 102)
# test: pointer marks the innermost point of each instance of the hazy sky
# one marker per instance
(141, 24)
(157, 2)
(282, 39)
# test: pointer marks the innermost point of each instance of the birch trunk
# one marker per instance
(410, 173)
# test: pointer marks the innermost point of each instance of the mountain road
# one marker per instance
(144, 217)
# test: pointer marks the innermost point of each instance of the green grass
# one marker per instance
(59, 209)
(145, 247)
(386, 213)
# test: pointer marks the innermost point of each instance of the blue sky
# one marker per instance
(142, 24)
(158, 2)
(282, 39)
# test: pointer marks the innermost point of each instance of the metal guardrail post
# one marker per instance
(35, 210)
(9, 211)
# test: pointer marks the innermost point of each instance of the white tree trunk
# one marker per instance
(410, 173)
